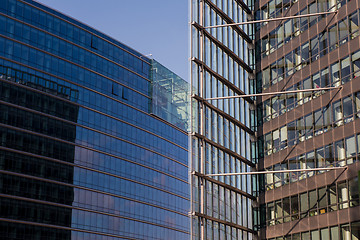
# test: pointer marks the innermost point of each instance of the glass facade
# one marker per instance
(83, 154)
(223, 131)
(303, 130)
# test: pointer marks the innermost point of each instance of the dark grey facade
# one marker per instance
(313, 129)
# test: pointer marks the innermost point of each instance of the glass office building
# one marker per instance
(309, 129)
(85, 150)
(302, 130)
(223, 131)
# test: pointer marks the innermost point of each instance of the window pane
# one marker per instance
(343, 30)
(338, 113)
(312, 203)
(345, 70)
(334, 233)
(350, 147)
(333, 37)
(355, 230)
(354, 192)
(356, 64)
(354, 25)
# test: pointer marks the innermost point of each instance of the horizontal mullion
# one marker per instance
(75, 64)
(229, 20)
(201, 215)
(83, 126)
(224, 149)
(96, 170)
(226, 82)
(87, 189)
(224, 114)
(85, 210)
(76, 45)
(63, 228)
(227, 50)
(227, 186)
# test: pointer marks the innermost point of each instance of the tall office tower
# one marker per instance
(309, 129)
(222, 63)
(93, 135)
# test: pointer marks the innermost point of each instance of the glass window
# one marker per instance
(283, 137)
(300, 129)
(316, 82)
(307, 85)
(294, 207)
(268, 142)
(296, 24)
(343, 30)
(334, 231)
(338, 113)
(303, 20)
(318, 122)
(323, 5)
(348, 109)
(320, 157)
(276, 140)
(312, 203)
(313, 9)
(296, 236)
(272, 40)
(339, 152)
(304, 204)
(273, 72)
(356, 64)
(305, 54)
(297, 58)
(266, 77)
(327, 118)
(291, 128)
(335, 74)
(345, 70)
(354, 25)
(309, 126)
(324, 233)
(293, 164)
(323, 43)
(332, 198)
(322, 200)
(289, 64)
(280, 35)
(343, 197)
(345, 232)
(355, 230)
(310, 162)
(333, 37)
(288, 26)
(267, 110)
(272, 8)
(280, 69)
(302, 165)
(329, 155)
(325, 78)
(278, 211)
(315, 235)
(286, 206)
(290, 100)
(354, 192)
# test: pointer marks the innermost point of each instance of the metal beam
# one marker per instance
(272, 19)
(274, 93)
(276, 171)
